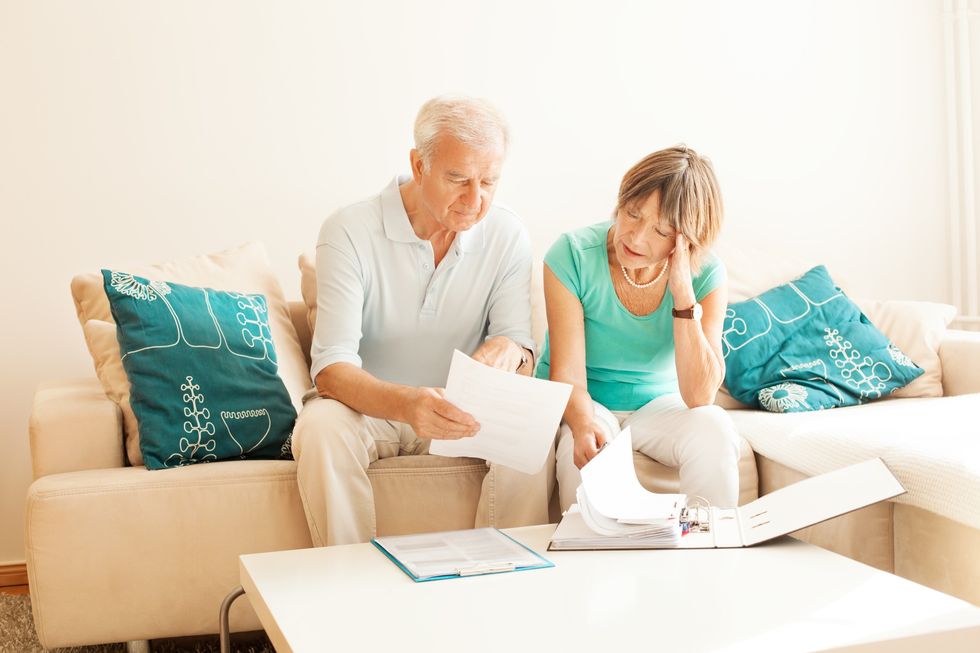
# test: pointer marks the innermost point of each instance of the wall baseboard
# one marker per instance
(12, 575)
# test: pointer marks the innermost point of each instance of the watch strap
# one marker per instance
(693, 313)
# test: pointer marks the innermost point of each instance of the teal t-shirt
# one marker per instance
(629, 359)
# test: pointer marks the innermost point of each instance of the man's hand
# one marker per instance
(588, 441)
(431, 416)
(500, 352)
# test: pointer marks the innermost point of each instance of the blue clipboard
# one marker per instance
(474, 570)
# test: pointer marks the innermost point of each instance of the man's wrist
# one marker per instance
(406, 399)
(525, 356)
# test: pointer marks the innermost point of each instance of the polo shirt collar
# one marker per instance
(398, 228)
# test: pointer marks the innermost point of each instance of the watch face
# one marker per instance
(698, 311)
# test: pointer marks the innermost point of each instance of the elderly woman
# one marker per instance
(635, 311)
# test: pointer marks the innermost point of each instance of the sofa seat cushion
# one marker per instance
(931, 444)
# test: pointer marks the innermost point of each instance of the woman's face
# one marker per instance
(640, 239)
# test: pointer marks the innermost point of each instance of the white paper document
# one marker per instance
(518, 415)
(609, 482)
(612, 503)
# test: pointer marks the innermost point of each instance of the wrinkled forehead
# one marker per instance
(452, 155)
(650, 207)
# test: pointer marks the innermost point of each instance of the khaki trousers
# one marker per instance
(333, 446)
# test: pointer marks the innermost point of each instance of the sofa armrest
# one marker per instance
(960, 356)
(74, 426)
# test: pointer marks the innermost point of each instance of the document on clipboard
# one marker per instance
(457, 554)
(608, 514)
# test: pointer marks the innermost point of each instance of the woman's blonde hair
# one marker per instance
(690, 199)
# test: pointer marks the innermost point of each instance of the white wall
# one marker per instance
(138, 131)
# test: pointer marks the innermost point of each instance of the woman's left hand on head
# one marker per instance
(680, 282)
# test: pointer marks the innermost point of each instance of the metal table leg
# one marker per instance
(223, 618)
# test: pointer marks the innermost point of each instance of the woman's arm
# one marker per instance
(697, 345)
(566, 339)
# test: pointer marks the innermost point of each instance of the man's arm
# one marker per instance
(337, 365)
(509, 345)
(425, 409)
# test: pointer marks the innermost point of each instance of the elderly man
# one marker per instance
(427, 266)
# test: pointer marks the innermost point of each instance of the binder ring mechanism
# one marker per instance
(695, 517)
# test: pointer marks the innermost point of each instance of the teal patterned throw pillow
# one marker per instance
(806, 346)
(202, 369)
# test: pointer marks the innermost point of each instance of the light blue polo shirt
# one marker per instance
(629, 359)
(381, 304)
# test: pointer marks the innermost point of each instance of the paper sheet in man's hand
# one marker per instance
(518, 415)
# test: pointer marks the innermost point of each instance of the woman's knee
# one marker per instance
(715, 430)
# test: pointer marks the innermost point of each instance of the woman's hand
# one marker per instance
(680, 283)
(432, 416)
(588, 441)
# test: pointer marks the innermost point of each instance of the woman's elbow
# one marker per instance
(699, 402)
(700, 397)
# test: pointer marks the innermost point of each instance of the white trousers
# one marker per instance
(701, 442)
(333, 446)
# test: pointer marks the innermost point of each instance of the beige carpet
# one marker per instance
(17, 636)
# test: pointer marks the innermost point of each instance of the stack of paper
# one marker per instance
(615, 509)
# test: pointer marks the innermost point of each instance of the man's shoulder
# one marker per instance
(503, 231)
(504, 218)
(351, 222)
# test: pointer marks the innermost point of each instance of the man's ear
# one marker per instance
(417, 165)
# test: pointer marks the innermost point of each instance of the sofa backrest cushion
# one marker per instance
(243, 269)
(307, 287)
(100, 336)
(917, 328)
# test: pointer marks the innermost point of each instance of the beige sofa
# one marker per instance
(119, 553)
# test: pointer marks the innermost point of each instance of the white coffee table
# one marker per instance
(783, 596)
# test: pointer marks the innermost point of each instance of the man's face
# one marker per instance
(458, 187)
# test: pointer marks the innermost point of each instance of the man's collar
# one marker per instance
(399, 229)
(397, 226)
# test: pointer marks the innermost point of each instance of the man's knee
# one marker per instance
(325, 422)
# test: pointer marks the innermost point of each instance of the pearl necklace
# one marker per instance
(641, 286)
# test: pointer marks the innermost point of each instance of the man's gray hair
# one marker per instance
(472, 121)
